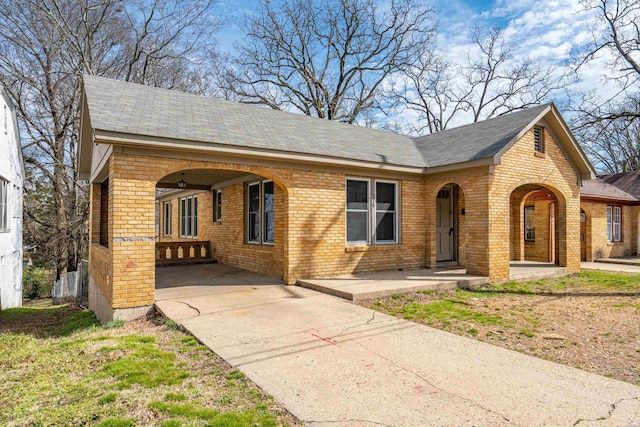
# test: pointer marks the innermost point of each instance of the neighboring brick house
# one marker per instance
(609, 215)
(12, 176)
(301, 197)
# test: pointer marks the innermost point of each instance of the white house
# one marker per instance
(11, 189)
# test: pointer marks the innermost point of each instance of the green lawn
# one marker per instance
(61, 367)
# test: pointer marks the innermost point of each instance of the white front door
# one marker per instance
(444, 225)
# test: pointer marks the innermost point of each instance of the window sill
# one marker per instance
(614, 243)
(539, 154)
(379, 247)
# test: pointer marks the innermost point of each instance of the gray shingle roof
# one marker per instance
(142, 110)
(628, 182)
(475, 141)
(602, 190)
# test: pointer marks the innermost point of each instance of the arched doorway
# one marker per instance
(537, 227)
(450, 225)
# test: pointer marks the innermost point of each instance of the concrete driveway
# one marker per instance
(336, 364)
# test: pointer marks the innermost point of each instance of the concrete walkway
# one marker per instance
(332, 363)
(612, 267)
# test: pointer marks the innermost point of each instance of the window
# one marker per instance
(267, 208)
(529, 224)
(372, 211)
(538, 139)
(357, 211)
(217, 205)
(167, 218)
(614, 221)
(385, 212)
(260, 212)
(189, 217)
(4, 208)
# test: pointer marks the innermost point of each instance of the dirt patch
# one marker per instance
(585, 321)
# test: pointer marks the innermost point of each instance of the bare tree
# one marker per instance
(326, 59)
(615, 36)
(608, 125)
(491, 82)
(45, 47)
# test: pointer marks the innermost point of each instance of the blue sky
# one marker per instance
(545, 30)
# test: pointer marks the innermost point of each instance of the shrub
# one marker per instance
(36, 282)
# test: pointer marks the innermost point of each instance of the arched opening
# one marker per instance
(538, 225)
(450, 237)
(219, 217)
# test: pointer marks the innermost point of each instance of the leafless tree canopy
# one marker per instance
(45, 47)
(609, 127)
(491, 82)
(326, 59)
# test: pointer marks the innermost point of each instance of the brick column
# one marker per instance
(131, 237)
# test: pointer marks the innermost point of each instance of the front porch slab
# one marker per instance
(375, 285)
(533, 270)
(626, 260)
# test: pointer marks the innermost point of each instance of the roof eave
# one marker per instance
(85, 146)
(144, 141)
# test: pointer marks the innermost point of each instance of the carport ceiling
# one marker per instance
(200, 179)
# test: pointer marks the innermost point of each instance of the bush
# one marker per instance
(36, 282)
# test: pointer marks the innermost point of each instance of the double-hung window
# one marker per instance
(167, 218)
(614, 223)
(372, 211)
(189, 217)
(260, 212)
(217, 205)
(4, 205)
(529, 224)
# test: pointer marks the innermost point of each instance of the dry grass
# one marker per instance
(60, 367)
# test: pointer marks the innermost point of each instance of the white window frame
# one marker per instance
(263, 213)
(614, 225)
(527, 237)
(367, 211)
(372, 212)
(193, 201)
(375, 210)
(168, 214)
(4, 205)
(262, 223)
(217, 205)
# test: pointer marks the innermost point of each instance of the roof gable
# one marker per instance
(481, 140)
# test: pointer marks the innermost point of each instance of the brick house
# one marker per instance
(609, 216)
(294, 197)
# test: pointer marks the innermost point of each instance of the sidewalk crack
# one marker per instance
(190, 306)
(612, 409)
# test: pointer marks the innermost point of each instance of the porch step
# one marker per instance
(621, 261)
(185, 261)
(378, 285)
(546, 272)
